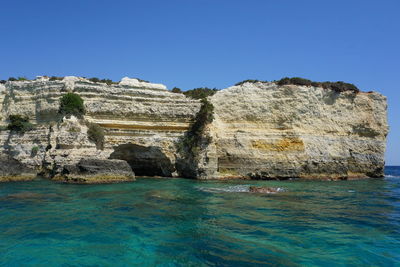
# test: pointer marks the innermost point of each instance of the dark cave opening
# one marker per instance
(144, 160)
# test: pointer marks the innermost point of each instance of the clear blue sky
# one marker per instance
(214, 43)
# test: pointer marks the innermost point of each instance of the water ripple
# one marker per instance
(177, 222)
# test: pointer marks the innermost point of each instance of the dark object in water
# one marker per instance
(264, 190)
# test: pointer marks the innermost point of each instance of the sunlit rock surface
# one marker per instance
(260, 130)
(96, 171)
(263, 131)
(135, 113)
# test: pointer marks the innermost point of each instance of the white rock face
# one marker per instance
(262, 130)
(136, 83)
(70, 82)
(42, 78)
(150, 118)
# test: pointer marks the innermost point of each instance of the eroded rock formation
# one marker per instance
(96, 171)
(264, 131)
(260, 130)
(144, 117)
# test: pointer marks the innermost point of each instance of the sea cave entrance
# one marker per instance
(144, 160)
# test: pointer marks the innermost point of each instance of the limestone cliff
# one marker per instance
(142, 123)
(260, 130)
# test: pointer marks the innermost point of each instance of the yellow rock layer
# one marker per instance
(284, 144)
(144, 127)
(17, 178)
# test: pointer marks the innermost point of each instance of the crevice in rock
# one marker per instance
(47, 169)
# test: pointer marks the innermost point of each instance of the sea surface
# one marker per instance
(180, 222)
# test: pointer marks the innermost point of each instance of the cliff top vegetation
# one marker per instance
(59, 78)
(335, 86)
(338, 86)
(176, 90)
(249, 81)
(200, 93)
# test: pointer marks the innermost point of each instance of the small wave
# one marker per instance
(232, 189)
(235, 188)
(391, 176)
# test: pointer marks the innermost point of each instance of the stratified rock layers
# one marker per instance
(149, 117)
(263, 131)
(260, 130)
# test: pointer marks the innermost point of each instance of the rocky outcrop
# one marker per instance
(265, 131)
(96, 171)
(13, 170)
(260, 130)
(138, 115)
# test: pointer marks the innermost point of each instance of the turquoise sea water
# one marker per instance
(179, 222)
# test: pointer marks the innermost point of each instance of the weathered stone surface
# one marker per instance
(260, 130)
(265, 131)
(12, 170)
(138, 84)
(96, 171)
(140, 115)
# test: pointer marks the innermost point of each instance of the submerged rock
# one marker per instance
(159, 194)
(264, 190)
(97, 171)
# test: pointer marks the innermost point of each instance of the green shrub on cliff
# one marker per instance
(203, 117)
(335, 86)
(96, 134)
(295, 81)
(140, 80)
(55, 78)
(34, 151)
(176, 90)
(12, 79)
(71, 104)
(19, 123)
(338, 86)
(94, 79)
(107, 81)
(193, 138)
(249, 81)
(200, 93)
(97, 80)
